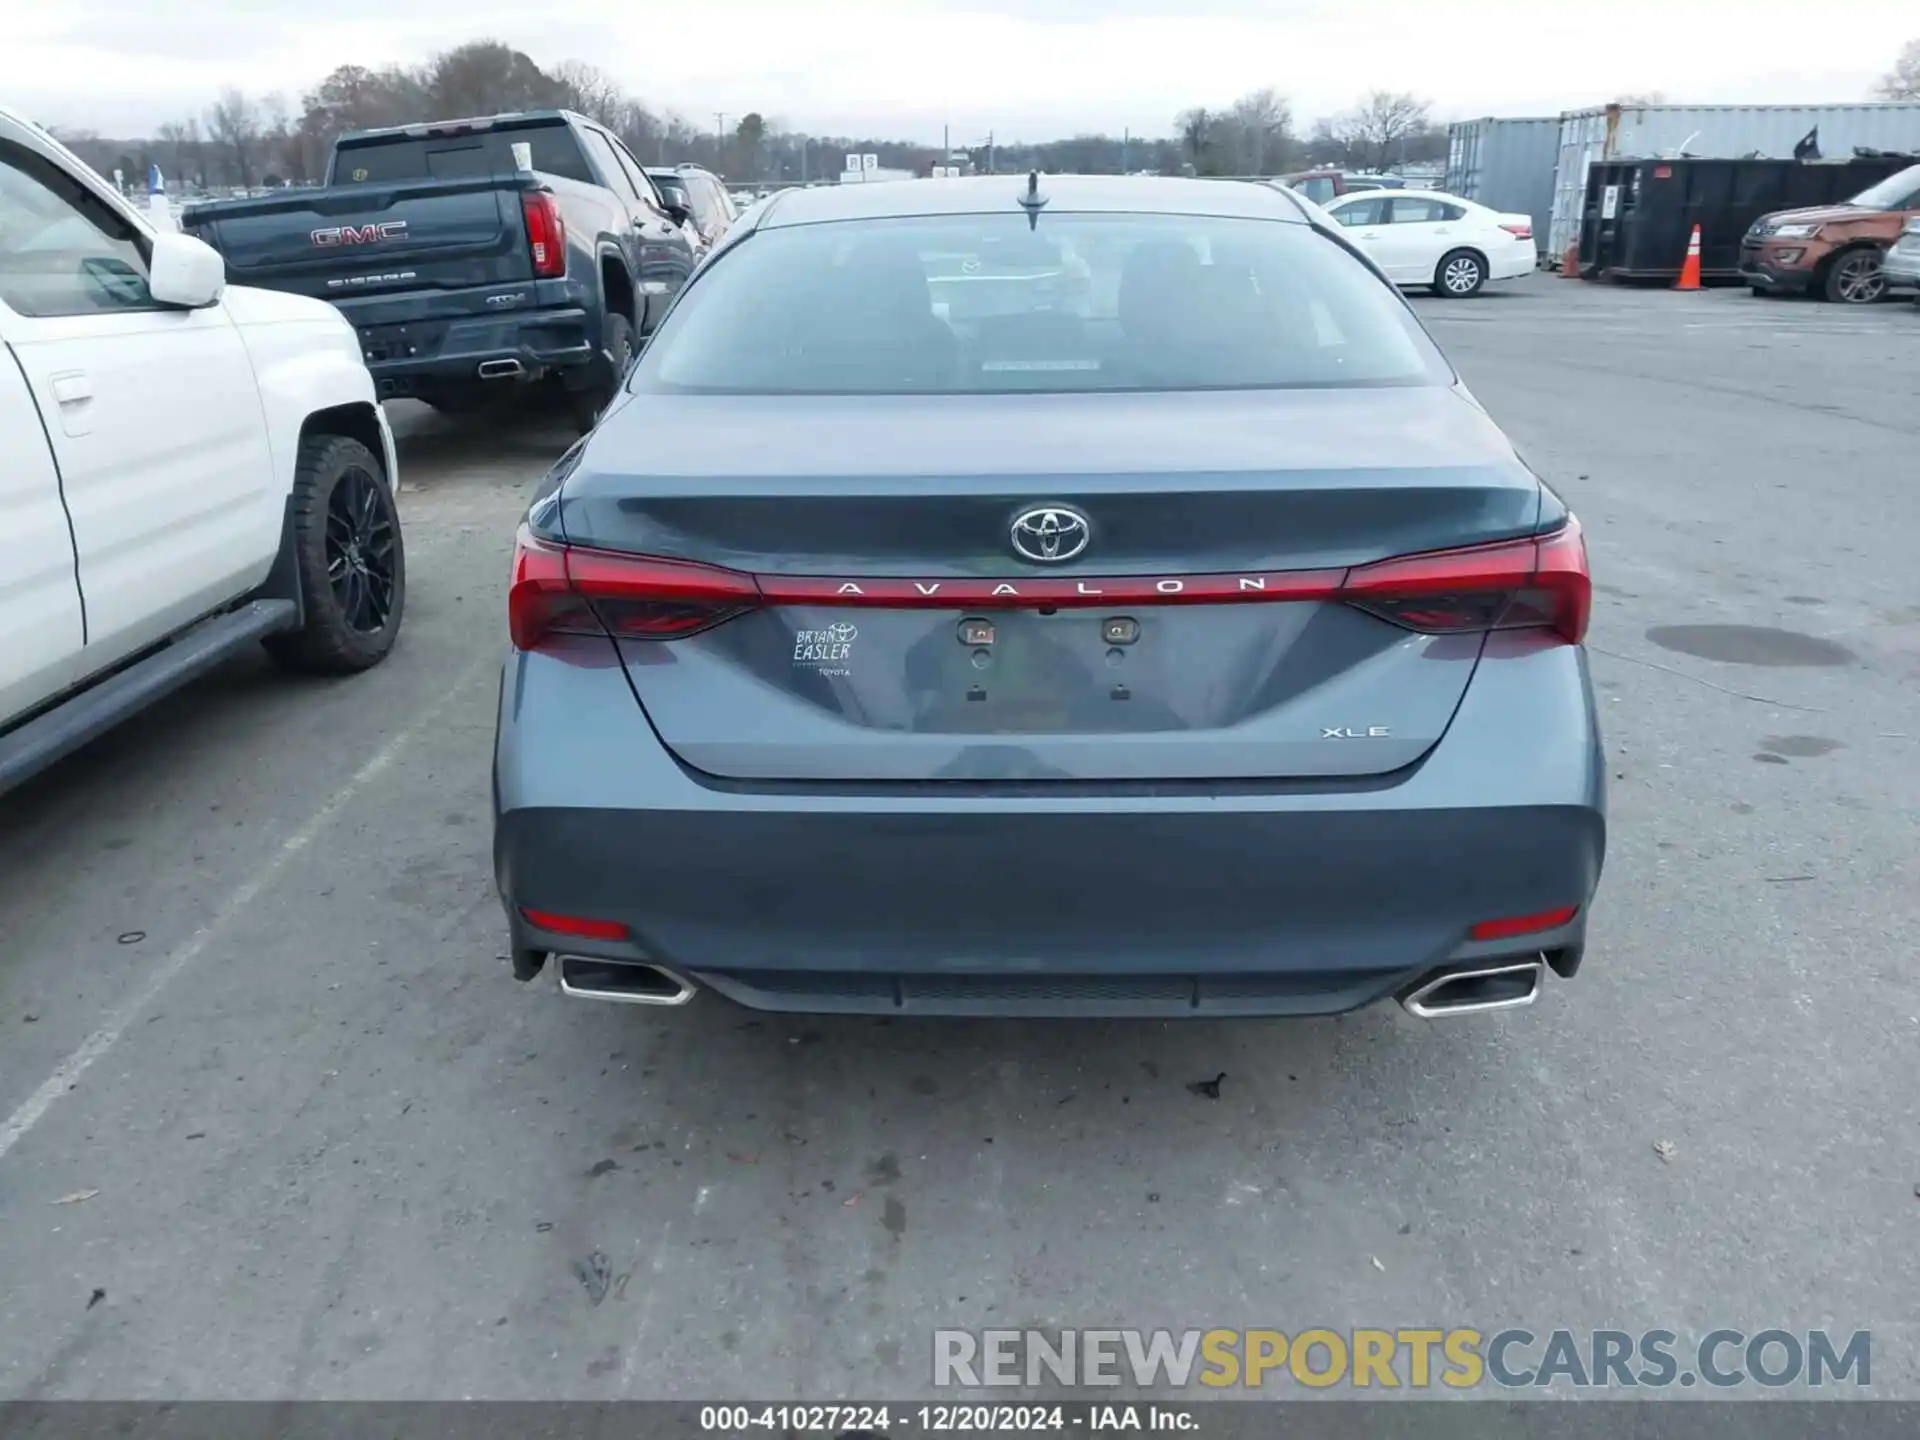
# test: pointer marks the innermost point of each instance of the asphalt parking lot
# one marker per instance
(276, 1122)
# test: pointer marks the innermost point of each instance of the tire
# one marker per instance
(587, 405)
(1459, 275)
(351, 560)
(1854, 277)
(1761, 292)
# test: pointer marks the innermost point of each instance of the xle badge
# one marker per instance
(826, 651)
(1347, 732)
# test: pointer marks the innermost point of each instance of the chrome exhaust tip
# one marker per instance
(1476, 990)
(501, 369)
(626, 982)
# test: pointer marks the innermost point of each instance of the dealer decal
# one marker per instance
(826, 650)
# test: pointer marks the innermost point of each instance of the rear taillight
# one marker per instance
(546, 234)
(1519, 229)
(1512, 585)
(1539, 583)
(557, 590)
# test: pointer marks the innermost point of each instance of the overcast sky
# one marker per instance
(1024, 69)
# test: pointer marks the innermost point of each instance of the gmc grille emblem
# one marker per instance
(359, 234)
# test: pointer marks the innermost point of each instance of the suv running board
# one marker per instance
(99, 707)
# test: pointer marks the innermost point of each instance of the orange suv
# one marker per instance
(1831, 250)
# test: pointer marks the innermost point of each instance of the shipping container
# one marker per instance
(1721, 132)
(1639, 214)
(1506, 165)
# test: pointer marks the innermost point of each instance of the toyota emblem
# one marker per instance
(1050, 534)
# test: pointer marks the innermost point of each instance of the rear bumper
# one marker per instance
(1514, 262)
(1277, 900)
(406, 359)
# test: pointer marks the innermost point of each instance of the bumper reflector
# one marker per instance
(574, 925)
(1523, 924)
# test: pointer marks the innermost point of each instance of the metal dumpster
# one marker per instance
(1638, 214)
(1718, 132)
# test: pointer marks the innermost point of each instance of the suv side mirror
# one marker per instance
(185, 272)
(678, 213)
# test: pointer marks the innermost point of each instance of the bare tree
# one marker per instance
(1903, 81)
(1376, 131)
(234, 124)
(356, 98)
(1262, 131)
(173, 150)
(197, 151)
(280, 158)
(485, 76)
(749, 141)
(1196, 133)
(590, 91)
(1327, 145)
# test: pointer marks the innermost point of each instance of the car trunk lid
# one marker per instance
(894, 632)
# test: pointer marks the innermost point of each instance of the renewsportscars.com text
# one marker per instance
(1457, 1359)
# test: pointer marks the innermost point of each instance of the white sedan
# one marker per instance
(1422, 237)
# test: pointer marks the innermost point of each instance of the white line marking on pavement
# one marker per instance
(67, 1074)
(636, 1350)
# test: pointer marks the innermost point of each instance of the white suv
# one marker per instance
(185, 468)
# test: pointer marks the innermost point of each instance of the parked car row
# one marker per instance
(188, 467)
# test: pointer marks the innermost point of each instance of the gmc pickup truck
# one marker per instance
(467, 274)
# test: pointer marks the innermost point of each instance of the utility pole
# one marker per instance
(1126, 143)
(719, 140)
(990, 169)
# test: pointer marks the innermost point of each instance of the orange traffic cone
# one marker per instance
(1690, 271)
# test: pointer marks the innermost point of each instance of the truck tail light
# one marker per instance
(546, 234)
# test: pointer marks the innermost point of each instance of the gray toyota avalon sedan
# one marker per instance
(1059, 596)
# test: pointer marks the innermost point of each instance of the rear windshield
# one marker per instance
(981, 303)
(460, 157)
